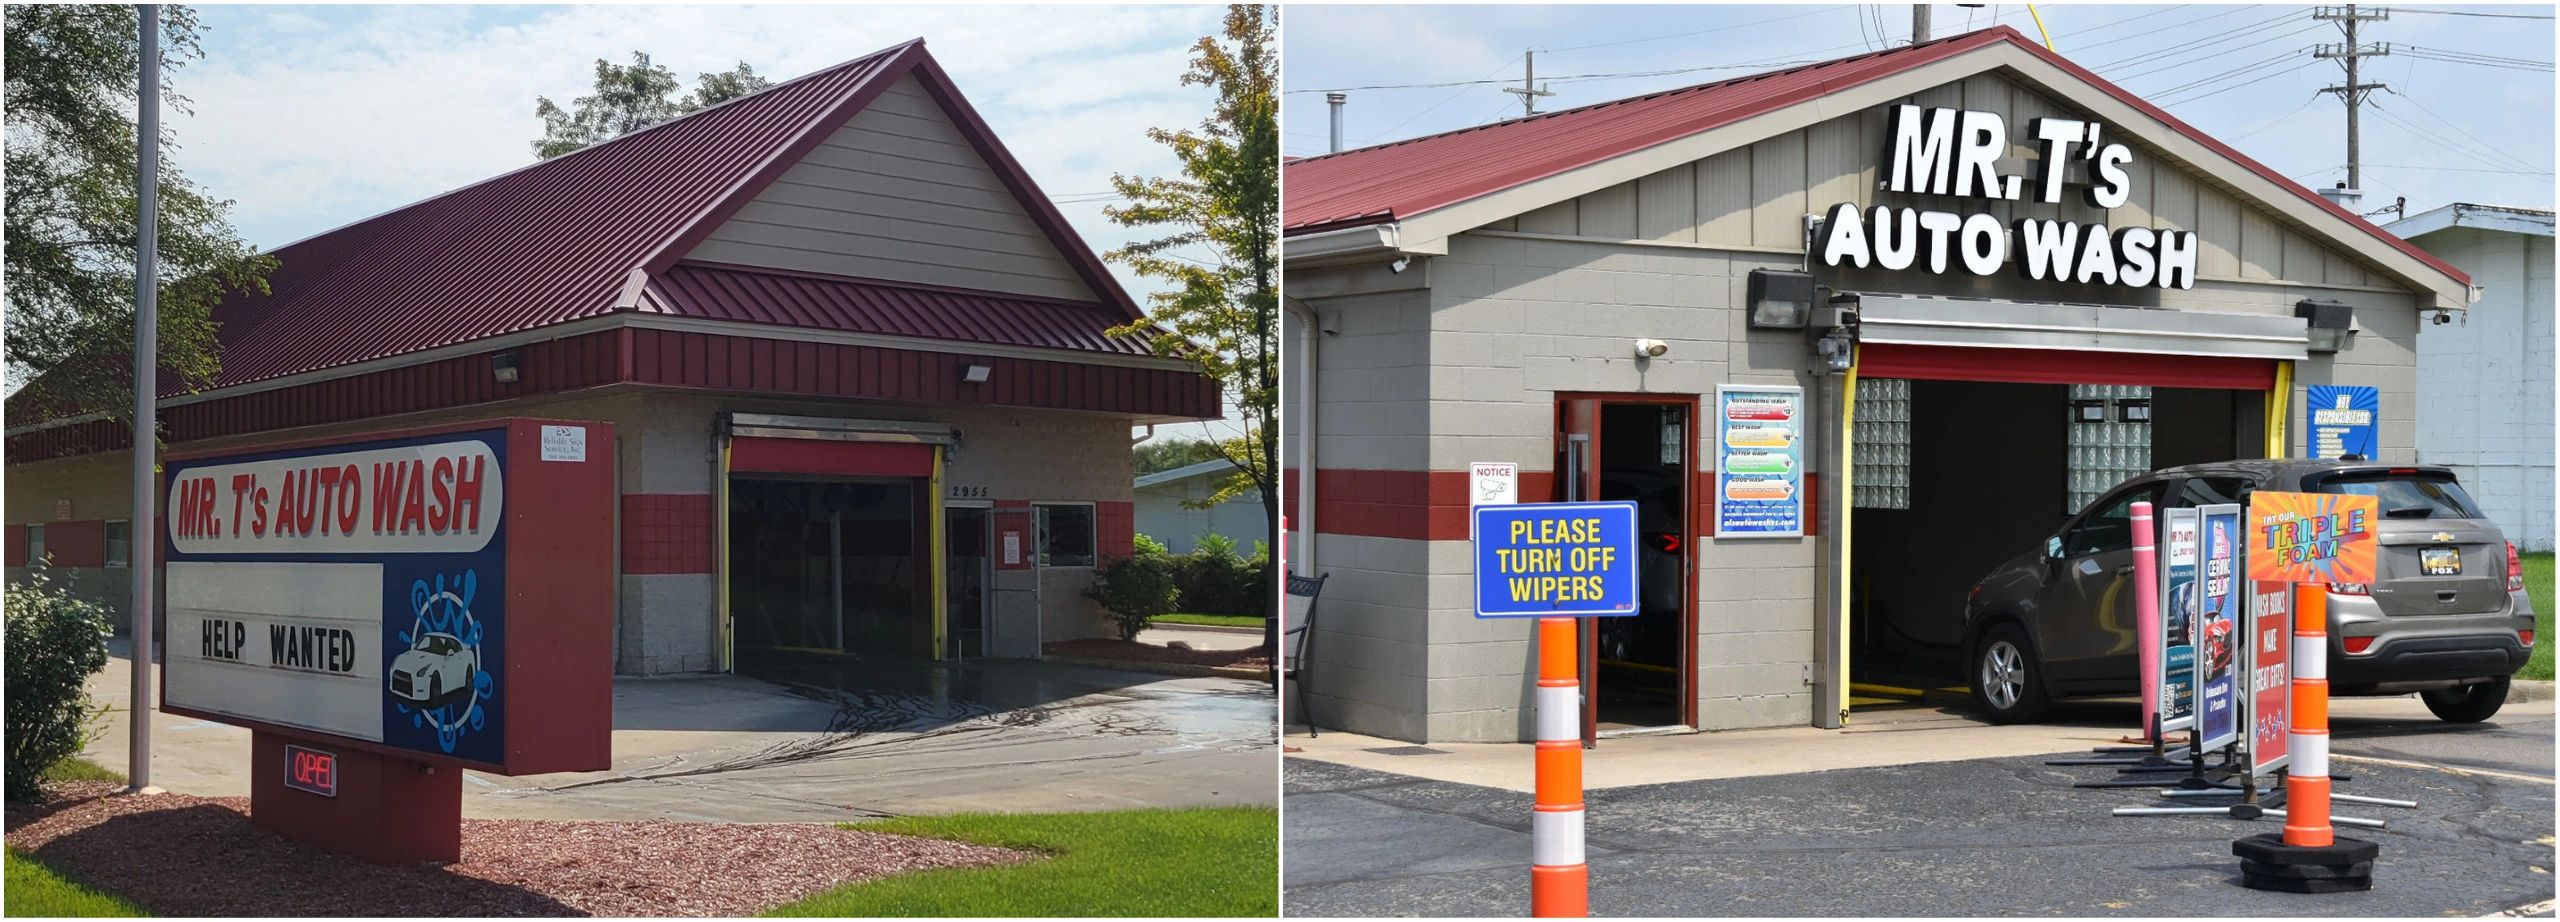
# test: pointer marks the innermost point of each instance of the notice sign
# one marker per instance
(2219, 628)
(1555, 560)
(1493, 483)
(2342, 421)
(2269, 666)
(1759, 461)
(367, 591)
(2313, 537)
(2180, 550)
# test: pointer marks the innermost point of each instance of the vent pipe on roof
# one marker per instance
(2346, 198)
(1335, 100)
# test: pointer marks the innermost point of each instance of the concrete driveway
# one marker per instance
(843, 742)
(1932, 834)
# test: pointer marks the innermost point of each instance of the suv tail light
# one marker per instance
(2350, 589)
(2358, 644)
(2526, 636)
(2515, 572)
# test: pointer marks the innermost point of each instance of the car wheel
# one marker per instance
(2007, 679)
(2469, 704)
(435, 689)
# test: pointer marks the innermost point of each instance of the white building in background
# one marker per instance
(1161, 514)
(2484, 377)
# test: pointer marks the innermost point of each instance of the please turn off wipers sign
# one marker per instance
(1555, 560)
(1955, 154)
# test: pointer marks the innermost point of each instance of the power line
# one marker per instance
(2544, 174)
(2182, 48)
(2212, 93)
(2278, 120)
(2430, 113)
(2394, 9)
(1657, 38)
(1453, 97)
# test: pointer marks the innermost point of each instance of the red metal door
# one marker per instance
(1578, 478)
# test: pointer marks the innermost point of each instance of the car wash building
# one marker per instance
(857, 365)
(1850, 335)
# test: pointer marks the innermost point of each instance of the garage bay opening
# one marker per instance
(1952, 478)
(829, 566)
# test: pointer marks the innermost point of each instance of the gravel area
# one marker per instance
(207, 859)
(1106, 648)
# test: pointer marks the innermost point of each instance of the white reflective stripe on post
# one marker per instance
(1560, 713)
(2310, 754)
(2311, 656)
(1555, 838)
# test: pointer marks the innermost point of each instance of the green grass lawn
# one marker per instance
(1211, 620)
(1211, 861)
(79, 769)
(2537, 582)
(36, 890)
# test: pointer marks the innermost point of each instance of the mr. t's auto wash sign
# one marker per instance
(1954, 154)
(426, 594)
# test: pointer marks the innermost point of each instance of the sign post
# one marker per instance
(1556, 562)
(384, 613)
(2146, 593)
(2309, 540)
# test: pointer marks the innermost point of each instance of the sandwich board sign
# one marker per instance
(2219, 628)
(2180, 554)
(2268, 661)
(373, 606)
(1556, 560)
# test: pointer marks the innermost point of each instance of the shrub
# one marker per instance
(55, 642)
(1134, 591)
(1215, 581)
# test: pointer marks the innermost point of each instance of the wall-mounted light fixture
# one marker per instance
(2092, 410)
(2133, 411)
(502, 366)
(1779, 299)
(976, 374)
(2332, 323)
(1651, 348)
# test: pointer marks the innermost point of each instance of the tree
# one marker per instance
(72, 96)
(1158, 456)
(631, 98)
(1227, 199)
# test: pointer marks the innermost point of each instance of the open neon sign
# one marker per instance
(311, 770)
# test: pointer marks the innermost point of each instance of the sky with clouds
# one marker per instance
(2443, 132)
(311, 117)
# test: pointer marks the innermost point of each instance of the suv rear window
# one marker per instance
(2406, 495)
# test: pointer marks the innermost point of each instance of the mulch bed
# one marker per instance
(1107, 648)
(179, 855)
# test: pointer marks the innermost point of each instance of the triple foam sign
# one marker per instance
(1553, 560)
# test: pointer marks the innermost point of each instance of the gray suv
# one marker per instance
(2449, 618)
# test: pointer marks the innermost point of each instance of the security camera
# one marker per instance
(2443, 317)
(1651, 348)
(1397, 267)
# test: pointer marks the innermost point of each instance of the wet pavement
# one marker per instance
(842, 739)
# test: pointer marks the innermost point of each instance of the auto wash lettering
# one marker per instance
(439, 492)
(1955, 154)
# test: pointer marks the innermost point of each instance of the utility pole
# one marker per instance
(142, 535)
(1528, 89)
(1919, 23)
(2352, 92)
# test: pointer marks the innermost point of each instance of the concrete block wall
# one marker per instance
(2485, 380)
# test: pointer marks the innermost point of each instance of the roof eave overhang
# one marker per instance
(1433, 227)
(1361, 243)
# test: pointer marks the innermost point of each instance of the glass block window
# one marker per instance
(1880, 471)
(2109, 452)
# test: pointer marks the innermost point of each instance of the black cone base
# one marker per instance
(2266, 863)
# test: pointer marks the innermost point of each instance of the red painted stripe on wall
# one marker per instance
(80, 543)
(2054, 366)
(1432, 505)
(16, 551)
(1115, 525)
(666, 533)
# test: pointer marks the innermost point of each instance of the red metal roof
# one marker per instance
(747, 295)
(558, 240)
(1398, 180)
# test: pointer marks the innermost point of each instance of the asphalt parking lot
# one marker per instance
(1996, 836)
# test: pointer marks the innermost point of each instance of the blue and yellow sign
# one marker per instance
(1555, 560)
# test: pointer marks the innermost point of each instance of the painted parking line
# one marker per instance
(2484, 772)
(2528, 910)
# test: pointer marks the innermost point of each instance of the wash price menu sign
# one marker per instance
(1759, 452)
(2180, 549)
(2220, 629)
(1555, 560)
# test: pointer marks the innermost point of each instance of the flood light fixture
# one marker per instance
(1780, 299)
(976, 374)
(2331, 323)
(502, 366)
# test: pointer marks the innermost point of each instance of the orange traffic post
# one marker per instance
(1559, 881)
(2306, 785)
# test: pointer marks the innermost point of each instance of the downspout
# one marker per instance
(1308, 331)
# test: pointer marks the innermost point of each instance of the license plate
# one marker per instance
(2440, 561)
